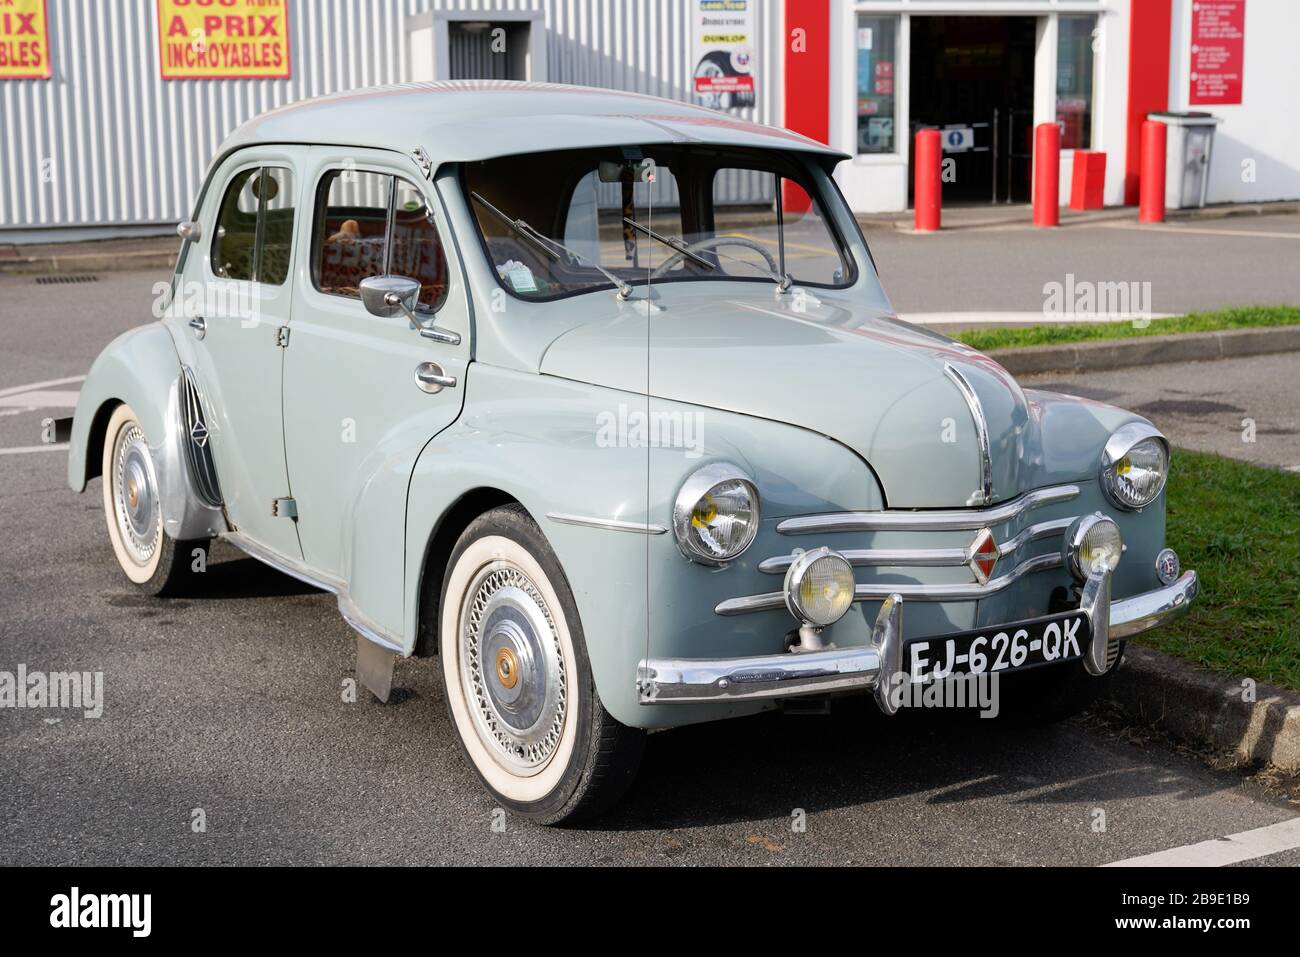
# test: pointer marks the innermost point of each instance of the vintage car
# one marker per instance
(598, 398)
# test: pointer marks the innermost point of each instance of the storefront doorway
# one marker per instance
(973, 78)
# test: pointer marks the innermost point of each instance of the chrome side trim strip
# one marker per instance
(1033, 533)
(351, 614)
(981, 430)
(609, 524)
(906, 557)
(938, 520)
(924, 557)
(882, 590)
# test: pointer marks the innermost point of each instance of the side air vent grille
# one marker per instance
(198, 447)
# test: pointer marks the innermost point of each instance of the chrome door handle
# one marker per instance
(200, 327)
(431, 379)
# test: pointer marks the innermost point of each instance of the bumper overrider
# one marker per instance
(831, 669)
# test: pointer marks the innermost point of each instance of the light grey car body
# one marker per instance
(828, 402)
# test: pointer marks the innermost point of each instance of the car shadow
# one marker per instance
(232, 574)
(764, 767)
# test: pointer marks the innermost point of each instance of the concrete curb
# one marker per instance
(1148, 350)
(1205, 711)
(88, 262)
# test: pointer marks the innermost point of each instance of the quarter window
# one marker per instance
(254, 234)
(373, 224)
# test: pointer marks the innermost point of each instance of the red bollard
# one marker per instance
(1047, 175)
(928, 188)
(1151, 186)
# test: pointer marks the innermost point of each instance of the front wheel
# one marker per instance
(154, 562)
(518, 681)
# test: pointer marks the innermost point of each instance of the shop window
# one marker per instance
(877, 113)
(1074, 59)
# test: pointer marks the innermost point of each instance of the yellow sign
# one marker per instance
(24, 40)
(223, 39)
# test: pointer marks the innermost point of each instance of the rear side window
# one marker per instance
(254, 235)
(373, 224)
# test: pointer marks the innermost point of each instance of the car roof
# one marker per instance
(462, 121)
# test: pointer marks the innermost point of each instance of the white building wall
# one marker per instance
(107, 144)
(1261, 137)
(879, 183)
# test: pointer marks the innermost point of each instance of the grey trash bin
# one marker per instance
(1187, 157)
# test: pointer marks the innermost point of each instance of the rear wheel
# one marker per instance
(518, 681)
(153, 561)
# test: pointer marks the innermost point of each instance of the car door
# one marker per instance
(245, 287)
(356, 414)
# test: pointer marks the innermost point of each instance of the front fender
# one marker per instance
(141, 369)
(537, 440)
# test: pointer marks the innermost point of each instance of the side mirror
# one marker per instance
(191, 230)
(389, 296)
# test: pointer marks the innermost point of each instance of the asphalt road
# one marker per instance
(1246, 409)
(1192, 265)
(230, 702)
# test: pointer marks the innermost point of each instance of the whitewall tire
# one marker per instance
(133, 511)
(517, 679)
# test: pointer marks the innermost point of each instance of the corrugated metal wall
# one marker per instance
(107, 142)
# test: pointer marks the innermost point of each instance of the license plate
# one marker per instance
(998, 648)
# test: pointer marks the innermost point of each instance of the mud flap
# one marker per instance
(375, 668)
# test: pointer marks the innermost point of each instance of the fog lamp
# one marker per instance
(1092, 543)
(819, 587)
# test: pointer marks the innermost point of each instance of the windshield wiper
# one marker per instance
(676, 245)
(783, 281)
(554, 250)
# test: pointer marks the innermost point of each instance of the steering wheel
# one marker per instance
(713, 242)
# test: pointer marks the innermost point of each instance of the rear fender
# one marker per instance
(141, 369)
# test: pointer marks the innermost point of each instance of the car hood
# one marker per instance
(892, 392)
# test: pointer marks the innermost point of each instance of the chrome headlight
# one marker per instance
(1092, 542)
(819, 587)
(715, 516)
(1134, 466)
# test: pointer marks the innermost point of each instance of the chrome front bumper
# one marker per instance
(693, 680)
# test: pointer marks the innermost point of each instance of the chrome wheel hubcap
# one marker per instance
(512, 667)
(135, 498)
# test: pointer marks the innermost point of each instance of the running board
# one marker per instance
(376, 655)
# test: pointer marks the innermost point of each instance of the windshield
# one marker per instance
(570, 221)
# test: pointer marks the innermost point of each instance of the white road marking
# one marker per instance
(1033, 318)
(33, 386)
(1233, 849)
(26, 449)
(44, 399)
(1199, 230)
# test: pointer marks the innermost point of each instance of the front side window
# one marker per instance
(254, 233)
(570, 221)
(375, 224)
(877, 38)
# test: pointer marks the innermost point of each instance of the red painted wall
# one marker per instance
(1148, 80)
(808, 68)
